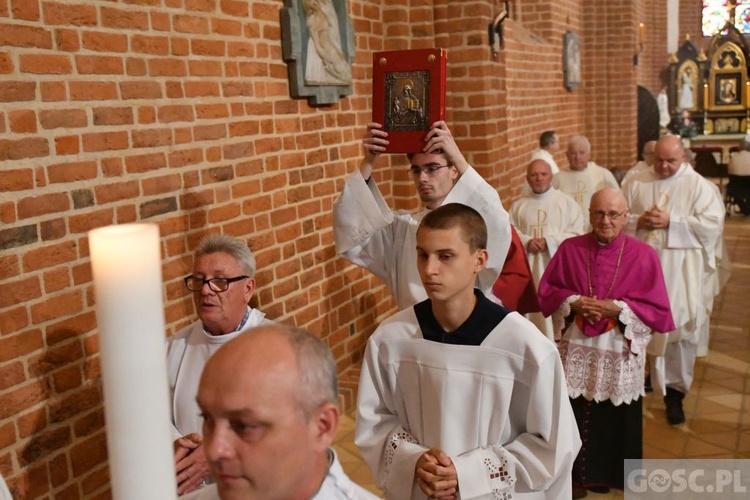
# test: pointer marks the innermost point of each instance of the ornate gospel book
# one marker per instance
(408, 95)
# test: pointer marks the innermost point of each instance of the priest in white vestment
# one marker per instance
(645, 164)
(676, 211)
(222, 284)
(458, 395)
(584, 177)
(371, 235)
(549, 145)
(270, 401)
(543, 220)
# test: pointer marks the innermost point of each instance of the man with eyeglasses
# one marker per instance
(222, 284)
(584, 177)
(371, 235)
(606, 294)
(681, 215)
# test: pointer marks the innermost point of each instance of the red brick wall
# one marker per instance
(608, 47)
(691, 22)
(537, 98)
(653, 58)
(177, 112)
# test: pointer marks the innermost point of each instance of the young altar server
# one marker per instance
(459, 396)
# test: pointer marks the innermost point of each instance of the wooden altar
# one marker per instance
(722, 144)
(725, 144)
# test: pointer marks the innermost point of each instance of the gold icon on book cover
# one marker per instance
(408, 95)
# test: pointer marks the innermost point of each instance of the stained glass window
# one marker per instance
(742, 18)
(716, 13)
(715, 16)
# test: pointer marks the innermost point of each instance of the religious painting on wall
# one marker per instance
(727, 89)
(571, 61)
(317, 38)
(727, 126)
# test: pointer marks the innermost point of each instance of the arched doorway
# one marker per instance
(648, 119)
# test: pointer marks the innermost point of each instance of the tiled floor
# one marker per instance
(718, 405)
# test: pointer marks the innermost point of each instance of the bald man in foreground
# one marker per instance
(269, 403)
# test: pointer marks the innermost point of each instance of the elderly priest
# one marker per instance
(606, 293)
(677, 212)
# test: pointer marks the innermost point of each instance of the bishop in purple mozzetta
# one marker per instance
(605, 291)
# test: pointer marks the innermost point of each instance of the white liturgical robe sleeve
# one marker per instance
(369, 234)
(361, 218)
(680, 235)
(187, 353)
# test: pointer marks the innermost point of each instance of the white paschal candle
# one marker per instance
(673, 25)
(126, 264)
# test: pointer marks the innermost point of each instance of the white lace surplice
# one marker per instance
(609, 366)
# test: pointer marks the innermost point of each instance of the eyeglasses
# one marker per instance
(599, 215)
(430, 169)
(195, 284)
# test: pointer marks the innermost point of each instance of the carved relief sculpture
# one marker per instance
(317, 42)
(326, 62)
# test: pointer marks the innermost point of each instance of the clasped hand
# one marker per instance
(537, 245)
(654, 219)
(436, 475)
(593, 309)
(190, 463)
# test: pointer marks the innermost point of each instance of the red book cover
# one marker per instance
(408, 95)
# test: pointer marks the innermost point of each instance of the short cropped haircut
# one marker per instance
(318, 378)
(472, 225)
(229, 245)
(547, 138)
